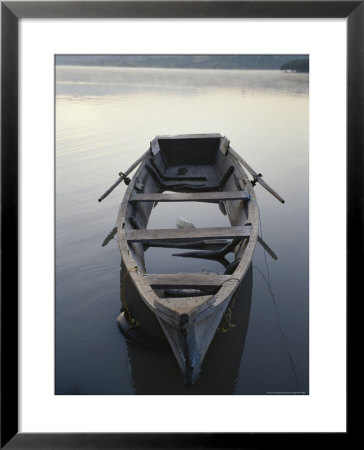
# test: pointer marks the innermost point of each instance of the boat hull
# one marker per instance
(220, 367)
(189, 322)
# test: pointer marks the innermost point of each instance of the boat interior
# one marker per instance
(188, 165)
(195, 169)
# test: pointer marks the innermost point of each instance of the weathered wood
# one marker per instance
(190, 197)
(186, 186)
(176, 177)
(256, 176)
(212, 254)
(194, 340)
(215, 255)
(187, 234)
(154, 146)
(224, 145)
(267, 248)
(190, 306)
(109, 236)
(186, 280)
(214, 244)
(184, 305)
(190, 292)
(124, 175)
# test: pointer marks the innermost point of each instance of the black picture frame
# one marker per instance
(11, 12)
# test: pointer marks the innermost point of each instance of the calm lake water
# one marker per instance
(105, 119)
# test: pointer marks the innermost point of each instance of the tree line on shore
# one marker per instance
(237, 62)
(297, 65)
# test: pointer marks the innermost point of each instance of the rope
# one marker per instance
(298, 379)
(229, 312)
(133, 322)
(227, 318)
(229, 279)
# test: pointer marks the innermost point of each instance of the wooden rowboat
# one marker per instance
(186, 308)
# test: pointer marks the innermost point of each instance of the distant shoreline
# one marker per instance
(207, 62)
(164, 67)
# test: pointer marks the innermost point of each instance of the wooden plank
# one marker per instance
(214, 244)
(187, 234)
(154, 146)
(190, 196)
(177, 303)
(224, 145)
(186, 280)
(184, 305)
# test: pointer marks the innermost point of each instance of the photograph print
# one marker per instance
(182, 224)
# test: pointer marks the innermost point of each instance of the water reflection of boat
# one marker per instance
(220, 367)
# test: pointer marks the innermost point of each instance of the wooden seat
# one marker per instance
(191, 197)
(186, 280)
(189, 234)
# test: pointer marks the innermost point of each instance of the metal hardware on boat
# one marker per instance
(258, 177)
(123, 176)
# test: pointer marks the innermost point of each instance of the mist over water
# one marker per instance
(105, 119)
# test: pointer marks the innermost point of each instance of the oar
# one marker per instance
(109, 236)
(257, 177)
(267, 248)
(124, 175)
